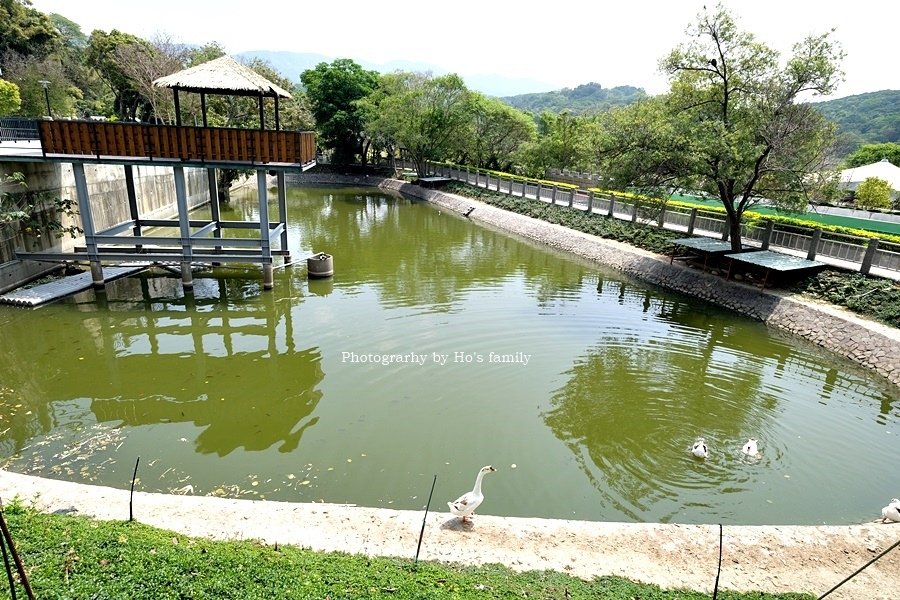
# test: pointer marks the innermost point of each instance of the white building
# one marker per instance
(851, 178)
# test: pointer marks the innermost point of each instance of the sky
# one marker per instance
(561, 43)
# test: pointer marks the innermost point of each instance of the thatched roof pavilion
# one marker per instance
(226, 77)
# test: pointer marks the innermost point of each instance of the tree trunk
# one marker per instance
(734, 232)
(223, 183)
(365, 152)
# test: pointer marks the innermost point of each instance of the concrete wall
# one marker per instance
(155, 190)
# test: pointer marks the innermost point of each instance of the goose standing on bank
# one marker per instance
(465, 505)
(750, 448)
(699, 448)
(891, 512)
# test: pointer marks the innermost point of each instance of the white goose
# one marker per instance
(699, 448)
(891, 512)
(750, 448)
(465, 505)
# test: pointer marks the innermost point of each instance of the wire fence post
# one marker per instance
(20, 568)
(131, 497)
(422, 531)
(860, 570)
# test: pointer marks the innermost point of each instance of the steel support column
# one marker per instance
(214, 204)
(187, 277)
(132, 201)
(265, 246)
(87, 223)
(282, 217)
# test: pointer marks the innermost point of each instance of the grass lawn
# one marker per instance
(75, 557)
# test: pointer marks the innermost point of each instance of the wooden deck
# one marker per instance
(66, 286)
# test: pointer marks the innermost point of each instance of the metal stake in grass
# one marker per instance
(131, 498)
(422, 532)
(9, 575)
(719, 569)
(20, 568)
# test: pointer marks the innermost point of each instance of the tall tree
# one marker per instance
(429, 117)
(563, 142)
(31, 73)
(871, 153)
(873, 193)
(10, 101)
(142, 64)
(498, 132)
(334, 92)
(25, 30)
(104, 54)
(70, 32)
(732, 125)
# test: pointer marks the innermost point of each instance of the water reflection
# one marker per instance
(157, 356)
(225, 389)
(412, 256)
(634, 402)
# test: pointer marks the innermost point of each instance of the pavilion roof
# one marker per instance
(223, 75)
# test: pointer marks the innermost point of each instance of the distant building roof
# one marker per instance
(882, 169)
(223, 75)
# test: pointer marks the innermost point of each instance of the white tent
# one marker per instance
(851, 178)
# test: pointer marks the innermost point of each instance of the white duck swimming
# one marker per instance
(750, 448)
(465, 505)
(699, 448)
(891, 512)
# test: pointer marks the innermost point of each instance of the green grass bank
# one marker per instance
(76, 557)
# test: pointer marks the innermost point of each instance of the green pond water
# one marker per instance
(286, 395)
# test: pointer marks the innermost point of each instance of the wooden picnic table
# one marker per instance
(705, 247)
(772, 261)
(432, 182)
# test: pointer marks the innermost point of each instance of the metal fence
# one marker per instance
(848, 251)
(16, 128)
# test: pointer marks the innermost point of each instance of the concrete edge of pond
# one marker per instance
(772, 558)
(870, 344)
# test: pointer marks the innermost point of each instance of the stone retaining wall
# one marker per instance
(870, 344)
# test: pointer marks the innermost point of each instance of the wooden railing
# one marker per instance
(171, 142)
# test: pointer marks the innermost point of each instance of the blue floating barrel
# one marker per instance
(320, 265)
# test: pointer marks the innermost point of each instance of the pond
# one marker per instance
(437, 348)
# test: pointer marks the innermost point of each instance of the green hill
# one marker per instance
(869, 118)
(584, 99)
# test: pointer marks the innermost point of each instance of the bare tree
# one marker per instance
(164, 57)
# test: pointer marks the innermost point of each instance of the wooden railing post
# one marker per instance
(590, 207)
(767, 236)
(692, 220)
(634, 211)
(612, 206)
(571, 197)
(869, 256)
(814, 244)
